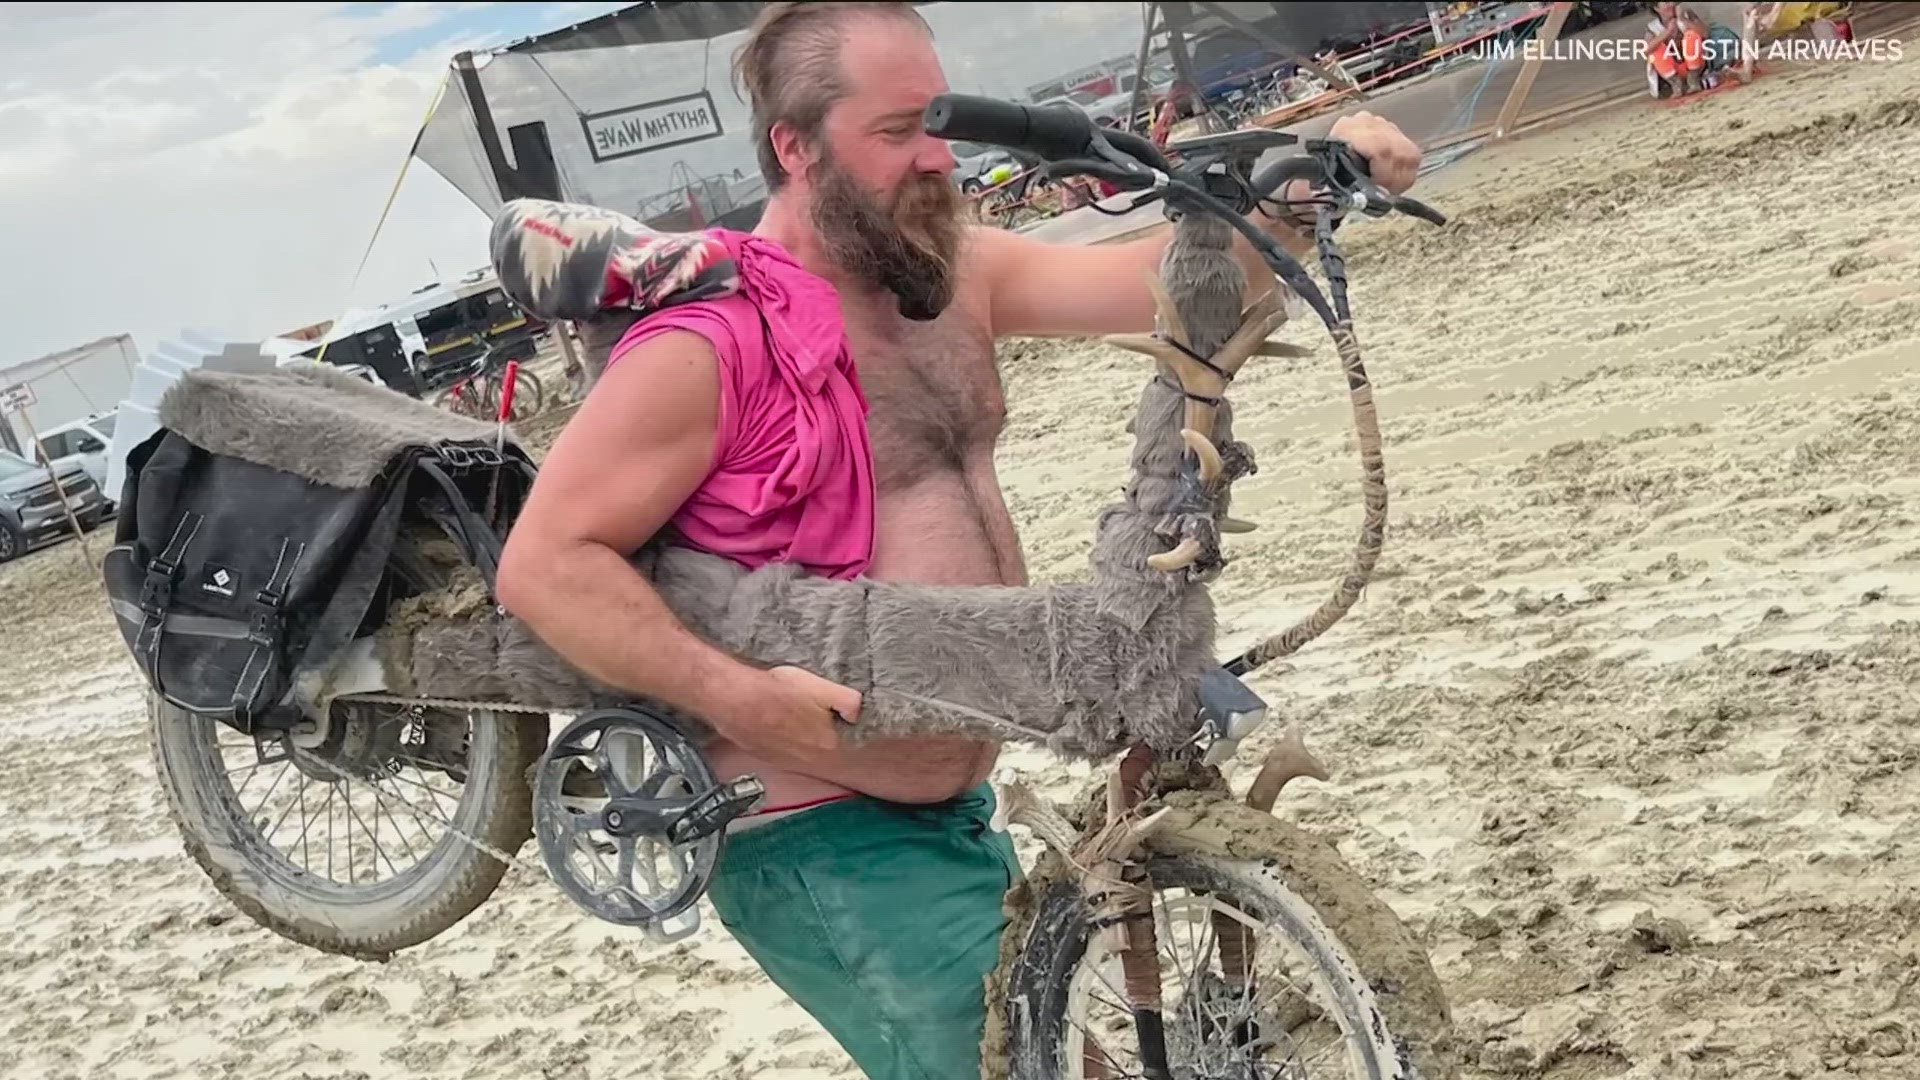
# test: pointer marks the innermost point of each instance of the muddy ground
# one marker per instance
(1625, 728)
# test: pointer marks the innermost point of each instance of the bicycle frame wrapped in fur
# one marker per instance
(1084, 668)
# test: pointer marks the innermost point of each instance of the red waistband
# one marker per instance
(822, 801)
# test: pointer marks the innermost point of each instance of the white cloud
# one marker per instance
(173, 165)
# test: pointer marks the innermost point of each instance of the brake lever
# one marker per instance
(1415, 208)
(1350, 179)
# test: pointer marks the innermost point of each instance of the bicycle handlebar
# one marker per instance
(1053, 132)
(1069, 142)
(1214, 177)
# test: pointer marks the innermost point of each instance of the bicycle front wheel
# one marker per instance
(1322, 980)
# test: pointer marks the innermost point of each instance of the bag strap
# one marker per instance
(156, 593)
(266, 629)
(466, 526)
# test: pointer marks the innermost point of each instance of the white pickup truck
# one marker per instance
(83, 443)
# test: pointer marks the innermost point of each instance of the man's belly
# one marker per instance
(946, 529)
(786, 789)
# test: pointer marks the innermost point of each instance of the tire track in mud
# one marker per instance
(1625, 726)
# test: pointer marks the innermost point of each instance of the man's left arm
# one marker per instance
(1048, 289)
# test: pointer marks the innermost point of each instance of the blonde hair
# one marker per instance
(789, 69)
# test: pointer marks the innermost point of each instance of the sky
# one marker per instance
(222, 168)
(168, 166)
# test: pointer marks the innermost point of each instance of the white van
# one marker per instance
(423, 344)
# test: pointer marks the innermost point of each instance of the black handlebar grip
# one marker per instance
(1419, 209)
(1292, 167)
(1054, 132)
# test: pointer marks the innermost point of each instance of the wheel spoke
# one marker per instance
(275, 786)
(1337, 1040)
(1271, 999)
(432, 792)
(1265, 1028)
(435, 813)
(331, 788)
(1108, 1068)
(306, 859)
(378, 853)
(379, 806)
(298, 800)
(352, 869)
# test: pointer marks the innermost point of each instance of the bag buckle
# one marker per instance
(157, 589)
(265, 622)
(460, 456)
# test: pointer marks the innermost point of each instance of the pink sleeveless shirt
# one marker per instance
(792, 473)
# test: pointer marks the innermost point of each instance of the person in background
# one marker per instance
(1676, 51)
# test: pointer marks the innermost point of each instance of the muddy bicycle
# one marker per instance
(479, 387)
(1169, 929)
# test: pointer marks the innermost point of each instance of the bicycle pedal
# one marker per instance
(631, 820)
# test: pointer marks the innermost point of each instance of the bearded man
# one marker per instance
(839, 412)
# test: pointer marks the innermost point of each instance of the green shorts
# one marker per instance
(882, 920)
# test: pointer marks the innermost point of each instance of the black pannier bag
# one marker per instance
(229, 577)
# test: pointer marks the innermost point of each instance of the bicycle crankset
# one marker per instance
(631, 820)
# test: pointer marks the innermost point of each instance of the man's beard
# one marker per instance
(909, 249)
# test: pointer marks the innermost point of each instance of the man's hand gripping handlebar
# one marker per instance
(1214, 174)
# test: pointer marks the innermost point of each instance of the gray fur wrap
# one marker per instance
(1083, 668)
(310, 419)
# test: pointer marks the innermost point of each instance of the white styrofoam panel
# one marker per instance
(137, 418)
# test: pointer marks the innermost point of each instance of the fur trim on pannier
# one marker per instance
(309, 419)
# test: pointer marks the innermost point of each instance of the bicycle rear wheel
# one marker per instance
(364, 844)
(373, 834)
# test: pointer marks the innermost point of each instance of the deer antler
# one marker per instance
(1021, 805)
(1205, 380)
(1182, 556)
(1260, 319)
(1209, 457)
(1173, 326)
(1288, 760)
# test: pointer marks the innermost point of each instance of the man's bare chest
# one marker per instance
(933, 390)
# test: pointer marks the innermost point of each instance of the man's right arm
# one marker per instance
(637, 449)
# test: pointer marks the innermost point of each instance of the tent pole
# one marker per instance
(505, 176)
(1175, 13)
(1140, 66)
(1529, 70)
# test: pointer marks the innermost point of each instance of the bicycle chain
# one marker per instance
(451, 704)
